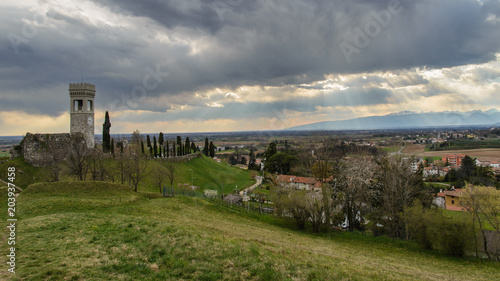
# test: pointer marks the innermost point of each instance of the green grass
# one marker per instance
(391, 149)
(4, 153)
(458, 214)
(207, 174)
(25, 173)
(97, 237)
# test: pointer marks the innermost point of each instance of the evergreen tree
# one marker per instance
(271, 150)
(148, 143)
(212, 150)
(468, 167)
(174, 151)
(159, 151)
(193, 147)
(155, 147)
(205, 149)
(106, 139)
(142, 146)
(187, 146)
(112, 147)
(160, 139)
(167, 150)
(252, 164)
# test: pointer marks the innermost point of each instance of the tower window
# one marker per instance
(89, 105)
(78, 105)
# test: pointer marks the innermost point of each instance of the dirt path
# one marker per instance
(248, 189)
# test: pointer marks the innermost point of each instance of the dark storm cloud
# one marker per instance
(199, 14)
(234, 43)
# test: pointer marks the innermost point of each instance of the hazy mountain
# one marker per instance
(408, 119)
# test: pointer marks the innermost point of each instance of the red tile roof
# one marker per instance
(457, 192)
(303, 180)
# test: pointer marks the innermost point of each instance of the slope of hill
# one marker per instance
(206, 173)
(408, 119)
(203, 172)
(187, 238)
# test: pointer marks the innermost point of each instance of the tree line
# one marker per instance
(363, 190)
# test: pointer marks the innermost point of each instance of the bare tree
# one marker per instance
(77, 154)
(395, 187)
(96, 164)
(170, 166)
(325, 163)
(137, 163)
(159, 172)
(351, 190)
(121, 165)
(54, 154)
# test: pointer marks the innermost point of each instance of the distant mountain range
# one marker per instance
(408, 119)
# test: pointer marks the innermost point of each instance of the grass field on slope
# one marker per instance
(83, 231)
(203, 172)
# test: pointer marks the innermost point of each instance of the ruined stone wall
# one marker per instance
(36, 147)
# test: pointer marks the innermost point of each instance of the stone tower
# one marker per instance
(82, 110)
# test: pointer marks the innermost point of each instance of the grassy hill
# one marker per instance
(204, 172)
(102, 231)
(207, 174)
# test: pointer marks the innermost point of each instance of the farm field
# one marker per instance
(484, 154)
(103, 231)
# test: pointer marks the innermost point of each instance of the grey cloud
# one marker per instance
(256, 43)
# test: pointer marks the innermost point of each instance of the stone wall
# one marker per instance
(35, 147)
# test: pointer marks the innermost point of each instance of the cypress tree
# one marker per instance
(212, 149)
(106, 139)
(160, 139)
(193, 147)
(167, 150)
(187, 146)
(148, 141)
(174, 151)
(205, 149)
(112, 147)
(155, 148)
(142, 146)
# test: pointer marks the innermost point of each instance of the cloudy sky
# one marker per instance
(232, 65)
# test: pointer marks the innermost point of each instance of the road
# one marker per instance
(248, 189)
(398, 152)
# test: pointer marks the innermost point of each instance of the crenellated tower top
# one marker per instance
(81, 88)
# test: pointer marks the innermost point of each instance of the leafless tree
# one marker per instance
(351, 189)
(159, 173)
(395, 187)
(96, 164)
(55, 154)
(77, 155)
(325, 164)
(137, 163)
(170, 166)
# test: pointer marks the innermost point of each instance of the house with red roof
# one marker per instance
(307, 183)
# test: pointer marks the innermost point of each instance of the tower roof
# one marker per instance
(81, 86)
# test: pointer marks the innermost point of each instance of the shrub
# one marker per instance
(453, 235)
(432, 229)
